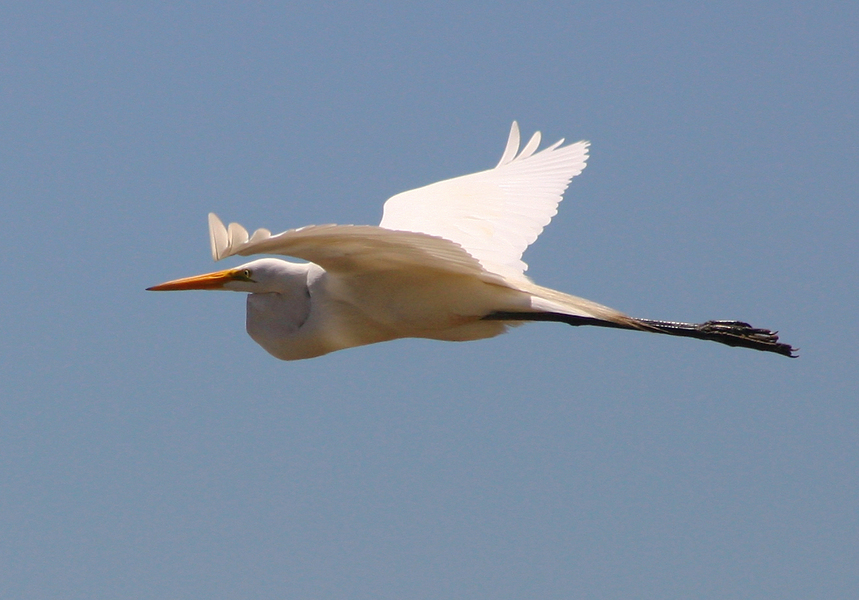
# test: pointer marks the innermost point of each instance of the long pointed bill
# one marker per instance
(209, 281)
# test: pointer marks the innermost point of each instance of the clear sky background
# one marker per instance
(149, 449)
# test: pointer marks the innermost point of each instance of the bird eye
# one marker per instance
(247, 273)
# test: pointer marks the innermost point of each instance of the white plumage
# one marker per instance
(444, 263)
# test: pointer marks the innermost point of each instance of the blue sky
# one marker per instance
(149, 449)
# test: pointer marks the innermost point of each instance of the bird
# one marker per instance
(445, 263)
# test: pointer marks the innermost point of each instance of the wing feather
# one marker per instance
(349, 248)
(496, 214)
(478, 224)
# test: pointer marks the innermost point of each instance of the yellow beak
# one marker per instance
(209, 281)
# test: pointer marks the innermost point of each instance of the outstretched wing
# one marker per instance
(496, 214)
(349, 249)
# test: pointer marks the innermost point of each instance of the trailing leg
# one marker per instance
(731, 333)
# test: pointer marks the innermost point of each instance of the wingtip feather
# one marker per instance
(217, 237)
(238, 235)
(531, 146)
(512, 145)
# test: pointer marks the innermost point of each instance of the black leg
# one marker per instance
(731, 333)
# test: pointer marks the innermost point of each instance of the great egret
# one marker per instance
(444, 263)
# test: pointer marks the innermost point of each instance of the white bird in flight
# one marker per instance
(444, 264)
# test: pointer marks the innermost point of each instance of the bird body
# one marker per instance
(444, 264)
(300, 311)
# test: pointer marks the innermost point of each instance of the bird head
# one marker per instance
(259, 276)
